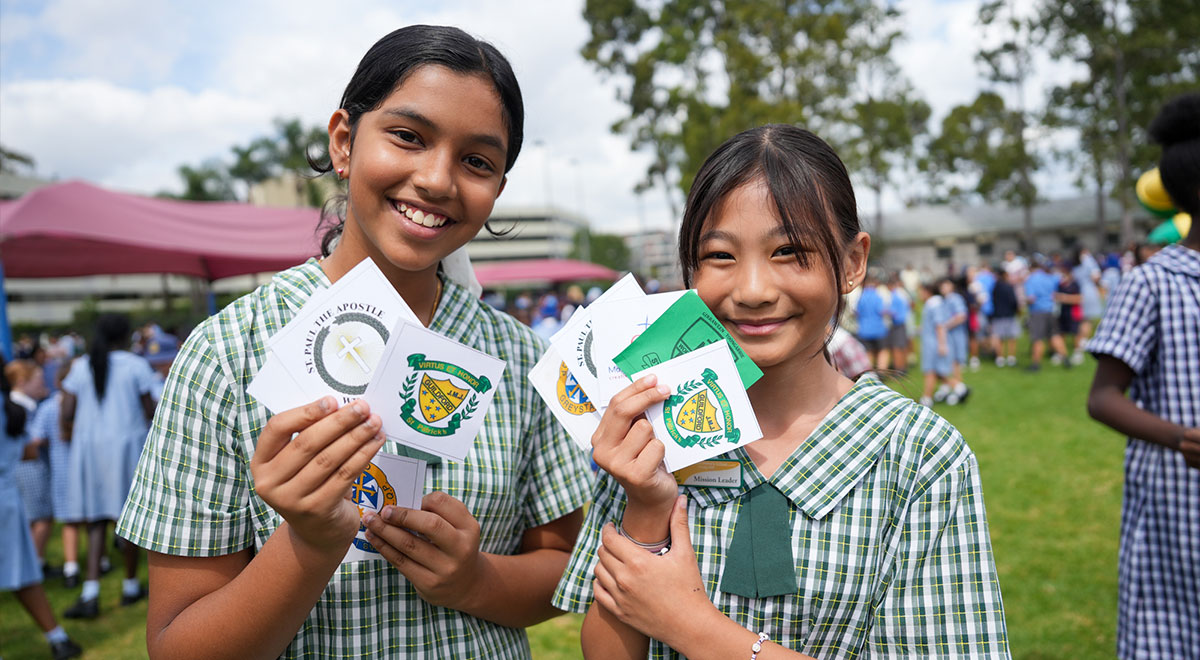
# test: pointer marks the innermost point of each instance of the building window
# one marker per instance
(986, 249)
(1112, 239)
(945, 252)
(1070, 241)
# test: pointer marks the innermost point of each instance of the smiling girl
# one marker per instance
(858, 527)
(244, 513)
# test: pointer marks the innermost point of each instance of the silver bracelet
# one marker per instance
(659, 548)
(762, 637)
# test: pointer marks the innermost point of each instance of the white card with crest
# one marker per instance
(275, 388)
(614, 326)
(564, 397)
(707, 413)
(574, 340)
(432, 392)
(389, 479)
(335, 342)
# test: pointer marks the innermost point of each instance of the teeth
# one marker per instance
(420, 217)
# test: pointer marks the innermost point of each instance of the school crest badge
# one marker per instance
(371, 491)
(346, 349)
(452, 398)
(699, 414)
(571, 397)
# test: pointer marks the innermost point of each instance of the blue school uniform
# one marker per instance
(870, 315)
(108, 435)
(33, 476)
(958, 334)
(934, 314)
(45, 425)
(1040, 288)
(19, 565)
(899, 307)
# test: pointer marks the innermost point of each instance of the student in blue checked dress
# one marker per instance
(247, 525)
(858, 528)
(1148, 344)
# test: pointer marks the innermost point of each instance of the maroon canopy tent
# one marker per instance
(74, 228)
(541, 271)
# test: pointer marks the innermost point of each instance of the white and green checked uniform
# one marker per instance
(888, 533)
(194, 494)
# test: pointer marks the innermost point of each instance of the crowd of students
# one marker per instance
(76, 421)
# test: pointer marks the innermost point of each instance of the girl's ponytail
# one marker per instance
(112, 332)
(14, 413)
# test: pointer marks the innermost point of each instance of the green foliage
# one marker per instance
(15, 162)
(604, 249)
(207, 182)
(695, 72)
(980, 141)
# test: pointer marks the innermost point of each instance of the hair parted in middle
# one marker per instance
(804, 178)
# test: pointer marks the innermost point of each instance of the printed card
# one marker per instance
(707, 412)
(686, 326)
(336, 341)
(275, 388)
(565, 398)
(432, 392)
(389, 479)
(615, 325)
(574, 341)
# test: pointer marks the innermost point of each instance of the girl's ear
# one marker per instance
(855, 261)
(339, 140)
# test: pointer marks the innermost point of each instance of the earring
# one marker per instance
(340, 172)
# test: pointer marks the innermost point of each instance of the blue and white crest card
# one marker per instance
(614, 326)
(574, 342)
(389, 479)
(707, 413)
(563, 395)
(432, 392)
(335, 342)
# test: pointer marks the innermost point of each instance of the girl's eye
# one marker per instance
(716, 254)
(405, 135)
(786, 251)
(478, 163)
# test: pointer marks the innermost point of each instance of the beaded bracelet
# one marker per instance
(659, 548)
(762, 637)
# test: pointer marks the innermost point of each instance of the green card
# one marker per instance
(685, 326)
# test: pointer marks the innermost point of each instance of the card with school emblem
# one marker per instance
(335, 342)
(565, 398)
(389, 479)
(432, 392)
(615, 326)
(574, 341)
(686, 326)
(707, 413)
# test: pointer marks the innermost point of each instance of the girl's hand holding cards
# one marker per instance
(625, 446)
(305, 478)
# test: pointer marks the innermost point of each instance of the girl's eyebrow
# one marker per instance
(718, 235)
(481, 138)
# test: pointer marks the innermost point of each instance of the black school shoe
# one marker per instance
(71, 581)
(130, 599)
(83, 609)
(65, 649)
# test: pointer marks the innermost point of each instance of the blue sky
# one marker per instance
(121, 92)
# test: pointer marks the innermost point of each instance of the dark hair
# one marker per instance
(14, 413)
(805, 179)
(112, 332)
(1177, 129)
(392, 60)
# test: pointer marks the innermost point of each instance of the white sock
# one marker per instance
(56, 636)
(71, 568)
(91, 590)
(960, 388)
(130, 586)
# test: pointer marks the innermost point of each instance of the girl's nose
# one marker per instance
(434, 177)
(753, 284)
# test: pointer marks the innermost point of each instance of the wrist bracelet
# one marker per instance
(659, 548)
(762, 637)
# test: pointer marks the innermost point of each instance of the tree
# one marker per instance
(695, 72)
(14, 162)
(1135, 57)
(208, 182)
(252, 164)
(604, 249)
(293, 146)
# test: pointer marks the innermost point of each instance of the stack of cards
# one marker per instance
(394, 480)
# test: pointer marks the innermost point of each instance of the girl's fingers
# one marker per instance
(416, 573)
(651, 455)
(309, 444)
(627, 405)
(335, 464)
(634, 442)
(280, 428)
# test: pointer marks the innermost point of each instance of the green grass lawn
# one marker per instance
(1051, 480)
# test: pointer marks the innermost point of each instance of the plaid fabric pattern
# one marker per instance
(194, 494)
(888, 531)
(1153, 325)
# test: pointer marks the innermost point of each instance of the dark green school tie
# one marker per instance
(410, 452)
(759, 563)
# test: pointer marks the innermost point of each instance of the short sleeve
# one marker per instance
(558, 477)
(1129, 328)
(574, 592)
(190, 494)
(942, 595)
(43, 422)
(144, 376)
(76, 377)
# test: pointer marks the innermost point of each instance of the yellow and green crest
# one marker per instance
(440, 399)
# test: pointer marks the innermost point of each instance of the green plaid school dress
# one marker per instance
(888, 534)
(194, 494)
